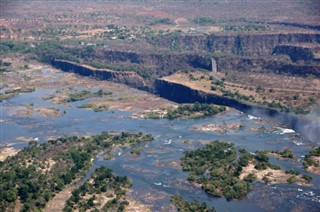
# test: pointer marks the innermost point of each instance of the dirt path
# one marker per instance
(59, 201)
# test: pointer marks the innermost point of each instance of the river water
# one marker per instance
(156, 174)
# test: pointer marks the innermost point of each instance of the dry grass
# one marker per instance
(290, 91)
(315, 169)
(275, 176)
(7, 152)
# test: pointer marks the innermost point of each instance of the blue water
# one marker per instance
(152, 172)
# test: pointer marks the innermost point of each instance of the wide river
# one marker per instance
(156, 174)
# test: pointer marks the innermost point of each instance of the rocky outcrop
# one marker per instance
(124, 77)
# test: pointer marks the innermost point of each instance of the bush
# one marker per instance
(287, 153)
(308, 178)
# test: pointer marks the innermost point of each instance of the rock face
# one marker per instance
(293, 53)
(183, 94)
(124, 77)
(248, 45)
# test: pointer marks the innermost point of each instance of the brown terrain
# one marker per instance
(267, 52)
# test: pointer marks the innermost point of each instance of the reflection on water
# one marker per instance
(156, 173)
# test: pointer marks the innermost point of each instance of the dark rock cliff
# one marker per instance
(295, 52)
(250, 45)
(124, 77)
(241, 52)
(183, 94)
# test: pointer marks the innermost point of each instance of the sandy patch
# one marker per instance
(135, 206)
(138, 170)
(18, 206)
(221, 129)
(101, 199)
(274, 176)
(7, 152)
(277, 176)
(24, 139)
(58, 202)
(39, 112)
(173, 164)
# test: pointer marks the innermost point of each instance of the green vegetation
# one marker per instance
(85, 94)
(186, 206)
(248, 27)
(136, 150)
(40, 171)
(14, 92)
(102, 185)
(196, 110)
(217, 169)
(139, 69)
(164, 21)
(4, 66)
(203, 21)
(308, 178)
(308, 161)
(237, 95)
(95, 108)
(286, 153)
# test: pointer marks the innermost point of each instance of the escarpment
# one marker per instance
(275, 52)
(184, 94)
(245, 44)
(124, 77)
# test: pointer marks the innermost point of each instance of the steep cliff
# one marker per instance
(245, 44)
(128, 78)
(183, 94)
(295, 52)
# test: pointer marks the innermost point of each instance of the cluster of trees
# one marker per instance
(139, 69)
(163, 21)
(283, 108)
(85, 94)
(105, 183)
(308, 161)
(236, 95)
(194, 205)
(203, 21)
(216, 167)
(30, 177)
(196, 110)
(248, 27)
(188, 110)
(286, 153)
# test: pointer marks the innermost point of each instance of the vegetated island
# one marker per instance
(224, 172)
(31, 178)
(103, 191)
(186, 111)
(282, 155)
(312, 161)
(183, 205)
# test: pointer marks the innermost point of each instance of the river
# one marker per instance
(156, 174)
